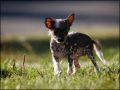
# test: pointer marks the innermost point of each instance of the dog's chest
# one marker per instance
(58, 50)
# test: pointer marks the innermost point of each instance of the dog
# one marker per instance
(72, 46)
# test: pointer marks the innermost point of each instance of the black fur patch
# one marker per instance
(76, 44)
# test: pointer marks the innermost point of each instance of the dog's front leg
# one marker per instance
(70, 65)
(56, 65)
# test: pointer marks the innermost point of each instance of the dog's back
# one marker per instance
(79, 39)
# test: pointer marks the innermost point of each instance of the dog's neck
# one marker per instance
(54, 41)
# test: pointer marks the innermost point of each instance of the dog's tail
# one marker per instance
(98, 51)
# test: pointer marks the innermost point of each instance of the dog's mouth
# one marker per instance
(60, 42)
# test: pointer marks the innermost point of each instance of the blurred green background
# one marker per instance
(23, 29)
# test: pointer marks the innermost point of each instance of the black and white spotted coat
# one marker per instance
(76, 45)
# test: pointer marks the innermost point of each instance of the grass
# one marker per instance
(37, 72)
(41, 77)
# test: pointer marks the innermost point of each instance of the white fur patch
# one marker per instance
(50, 32)
(56, 65)
(71, 33)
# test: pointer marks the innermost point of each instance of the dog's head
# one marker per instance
(59, 28)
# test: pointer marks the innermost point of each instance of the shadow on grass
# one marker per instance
(42, 46)
(4, 73)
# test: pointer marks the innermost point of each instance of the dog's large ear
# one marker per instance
(49, 22)
(70, 19)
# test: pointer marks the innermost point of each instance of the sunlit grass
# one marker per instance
(39, 75)
(38, 70)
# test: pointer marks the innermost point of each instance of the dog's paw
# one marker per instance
(70, 71)
(57, 73)
(106, 62)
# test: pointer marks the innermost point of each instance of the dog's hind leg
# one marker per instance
(71, 68)
(73, 64)
(92, 58)
(76, 63)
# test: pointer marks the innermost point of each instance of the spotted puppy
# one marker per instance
(71, 46)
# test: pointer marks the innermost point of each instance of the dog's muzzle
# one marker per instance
(60, 40)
